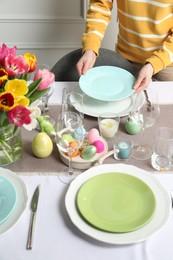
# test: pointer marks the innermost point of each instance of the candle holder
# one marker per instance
(108, 125)
(123, 148)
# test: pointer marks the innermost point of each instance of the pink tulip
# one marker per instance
(5, 51)
(16, 65)
(19, 115)
(47, 78)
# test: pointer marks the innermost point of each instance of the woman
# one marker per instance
(145, 37)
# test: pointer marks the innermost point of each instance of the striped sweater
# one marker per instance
(145, 30)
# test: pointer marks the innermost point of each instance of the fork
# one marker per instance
(149, 105)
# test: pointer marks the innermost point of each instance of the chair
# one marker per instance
(65, 68)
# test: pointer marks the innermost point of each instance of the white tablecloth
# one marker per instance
(57, 238)
(164, 91)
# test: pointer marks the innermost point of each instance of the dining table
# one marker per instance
(56, 236)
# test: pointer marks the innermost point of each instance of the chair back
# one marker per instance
(65, 68)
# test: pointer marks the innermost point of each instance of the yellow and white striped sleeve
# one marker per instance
(98, 18)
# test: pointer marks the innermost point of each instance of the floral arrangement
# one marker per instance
(16, 94)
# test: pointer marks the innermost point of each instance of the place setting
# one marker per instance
(118, 204)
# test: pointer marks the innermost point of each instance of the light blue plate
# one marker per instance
(7, 199)
(107, 83)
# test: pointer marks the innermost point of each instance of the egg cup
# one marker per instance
(79, 163)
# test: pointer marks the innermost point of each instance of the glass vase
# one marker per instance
(11, 145)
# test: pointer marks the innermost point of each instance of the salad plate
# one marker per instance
(116, 202)
(159, 218)
(7, 199)
(107, 83)
(21, 199)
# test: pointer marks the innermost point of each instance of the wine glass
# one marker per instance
(73, 101)
(148, 115)
(69, 138)
(45, 99)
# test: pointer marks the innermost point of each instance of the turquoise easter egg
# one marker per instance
(88, 152)
(78, 133)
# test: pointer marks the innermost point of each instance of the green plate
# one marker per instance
(116, 202)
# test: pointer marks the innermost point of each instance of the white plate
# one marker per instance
(93, 107)
(159, 219)
(21, 199)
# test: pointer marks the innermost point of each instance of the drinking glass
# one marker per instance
(69, 138)
(162, 157)
(73, 101)
(149, 116)
(108, 125)
(45, 99)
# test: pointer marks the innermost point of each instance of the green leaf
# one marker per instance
(37, 95)
(32, 88)
(24, 76)
(3, 118)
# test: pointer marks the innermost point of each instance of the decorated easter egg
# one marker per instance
(80, 131)
(93, 135)
(66, 139)
(42, 145)
(73, 145)
(88, 152)
(99, 146)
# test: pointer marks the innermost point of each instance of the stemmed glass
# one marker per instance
(69, 138)
(148, 115)
(45, 99)
(73, 101)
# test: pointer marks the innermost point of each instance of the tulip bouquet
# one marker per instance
(17, 94)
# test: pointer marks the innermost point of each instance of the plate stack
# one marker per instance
(118, 204)
(109, 89)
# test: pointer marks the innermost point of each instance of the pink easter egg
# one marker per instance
(99, 146)
(93, 135)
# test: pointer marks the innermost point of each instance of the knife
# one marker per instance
(34, 204)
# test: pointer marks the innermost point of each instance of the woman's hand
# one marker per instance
(86, 62)
(144, 77)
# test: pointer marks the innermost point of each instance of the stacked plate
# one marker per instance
(109, 89)
(13, 199)
(118, 204)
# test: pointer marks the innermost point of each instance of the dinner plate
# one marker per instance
(107, 83)
(7, 199)
(160, 217)
(116, 202)
(21, 199)
(94, 108)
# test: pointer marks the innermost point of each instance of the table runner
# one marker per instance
(30, 165)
